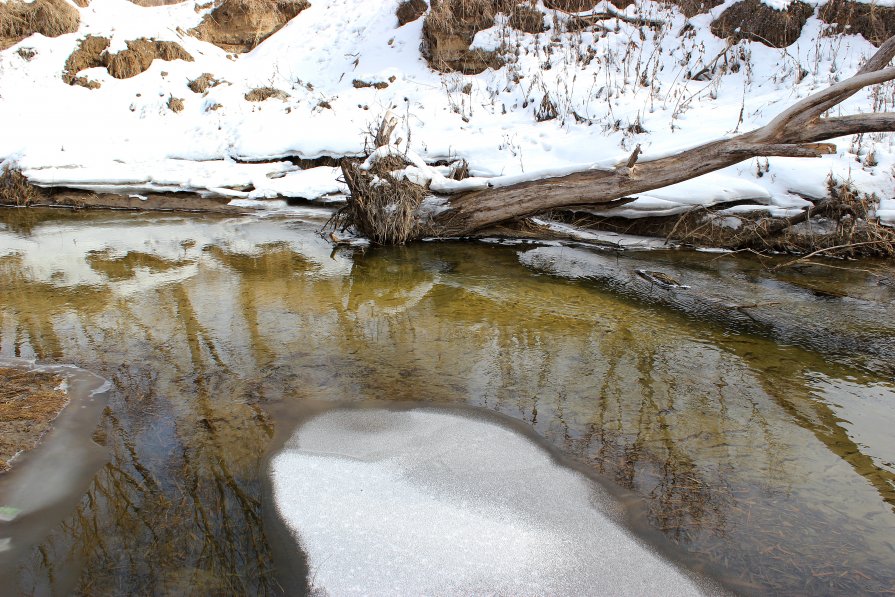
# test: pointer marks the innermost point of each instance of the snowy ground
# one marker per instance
(122, 137)
(480, 510)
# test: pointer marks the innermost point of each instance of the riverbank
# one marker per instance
(534, 93)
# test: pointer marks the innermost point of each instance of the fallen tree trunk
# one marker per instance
(796, 132)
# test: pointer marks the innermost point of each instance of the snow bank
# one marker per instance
(432, 502)
(612, 91)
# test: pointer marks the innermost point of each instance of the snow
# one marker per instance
(480, 510)
(122, 137)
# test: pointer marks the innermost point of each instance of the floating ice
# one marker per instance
(434, 502)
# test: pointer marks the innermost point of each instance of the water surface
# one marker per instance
(751, 444)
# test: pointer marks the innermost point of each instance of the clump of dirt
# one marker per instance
(449, 29)
(691, 8)
(360, 84)
(203, 83)
(29, 401)
(139, 55)
(88, 54)
(259, 94)
(527, 19)
(175, 104)
(875, 23)
(240, 25)
(15, 188)
(410, 10)
(756, 21)
(85, 82)
(26, 54)
(51, 18)
(93, 52)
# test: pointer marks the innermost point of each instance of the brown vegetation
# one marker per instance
(527, 19)
(449, 29)
(691, 8)
(93, 52)
(756, 21)
(151, 3)
(875, 23)
(139, 55)
(51, 18)
(15, 188)
(240, 25)
(203, 83)
(29, 401)
(410, 10)
(259, 94)
(175, 104)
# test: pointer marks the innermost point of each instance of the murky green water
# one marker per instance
(753, 440)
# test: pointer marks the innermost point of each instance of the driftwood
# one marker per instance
(797, 132)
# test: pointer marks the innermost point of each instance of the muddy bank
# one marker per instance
(29, 401)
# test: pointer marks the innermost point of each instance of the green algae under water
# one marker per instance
(759, 454)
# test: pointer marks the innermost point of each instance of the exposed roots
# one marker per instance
(51, 18)
(15, 188)
(382, 207)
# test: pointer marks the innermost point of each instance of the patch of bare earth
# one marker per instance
(449, 29)
(410, 10)
(240, 25)
(94, 52)
(51, 18)
(29, 401)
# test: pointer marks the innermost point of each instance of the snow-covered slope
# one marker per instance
(605, 87)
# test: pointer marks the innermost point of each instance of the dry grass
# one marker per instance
(259, 94)
(527, 19)
(88, 54)
(449, 29)
(15, 188)
(756, 21)
(93, 52)
(29, 401)
(139, 55)
(381, 207)
(51, 18)
(175, 104)
(240, 25)
(875, 23)
(203, 83)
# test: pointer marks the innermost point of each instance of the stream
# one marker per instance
(739, 417)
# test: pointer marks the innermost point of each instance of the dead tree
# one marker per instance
(796, 132)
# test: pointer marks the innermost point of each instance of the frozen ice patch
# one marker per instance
(433, 502)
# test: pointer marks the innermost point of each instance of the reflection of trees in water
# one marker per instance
(694, 429)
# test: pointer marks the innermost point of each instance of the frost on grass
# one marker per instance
(433, 502)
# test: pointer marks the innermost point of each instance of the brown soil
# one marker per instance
(875, 23)
(93, 52)
(240, 25)
(175, 104)
(449, 29)
(410, 10)
(259, 94)
(139, 55)
(82, 3)
(203, 83)
(29, 401)
(756, 21)
(51, 18)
